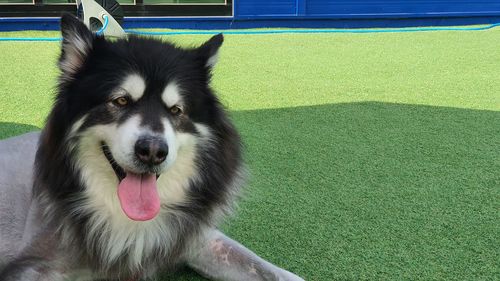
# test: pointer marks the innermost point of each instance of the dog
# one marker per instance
(136, 166)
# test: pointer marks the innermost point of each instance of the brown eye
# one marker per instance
(121, 101)
(176, 110)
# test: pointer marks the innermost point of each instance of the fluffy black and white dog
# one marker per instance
(135, 167)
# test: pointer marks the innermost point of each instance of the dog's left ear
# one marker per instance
(76, 44)
(209, 51)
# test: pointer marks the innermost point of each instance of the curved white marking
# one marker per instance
(172, 94)
(203, 130)
(135, 85)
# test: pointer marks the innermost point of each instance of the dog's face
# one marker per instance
(137, 105)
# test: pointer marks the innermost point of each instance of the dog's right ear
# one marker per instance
(76, 44)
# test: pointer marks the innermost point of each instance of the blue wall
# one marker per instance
(365, 8)
(312, 14)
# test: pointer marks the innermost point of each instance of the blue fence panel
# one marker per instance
(411, 8)
(312, 14)
(265, 7)
(365, 8)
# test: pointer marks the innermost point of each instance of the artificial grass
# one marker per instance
(372, 156)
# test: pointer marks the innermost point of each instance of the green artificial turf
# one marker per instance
(372, 156)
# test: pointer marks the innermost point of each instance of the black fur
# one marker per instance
(87, 91)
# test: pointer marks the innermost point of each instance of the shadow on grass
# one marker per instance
(369, 191)
(10, 129)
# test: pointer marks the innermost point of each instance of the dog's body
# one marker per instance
(134, 169)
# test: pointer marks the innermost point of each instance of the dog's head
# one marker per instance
(135, 105)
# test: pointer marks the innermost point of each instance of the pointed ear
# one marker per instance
(209, 51)
(76, 44)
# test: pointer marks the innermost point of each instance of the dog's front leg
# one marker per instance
(219, 257)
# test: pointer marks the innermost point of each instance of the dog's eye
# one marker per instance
(121, 101)
(176, 110)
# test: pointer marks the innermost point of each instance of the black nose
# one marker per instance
(151, 150)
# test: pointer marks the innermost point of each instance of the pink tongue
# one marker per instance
(139, 197)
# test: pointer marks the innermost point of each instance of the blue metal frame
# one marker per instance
(310, 14)
(16, 24)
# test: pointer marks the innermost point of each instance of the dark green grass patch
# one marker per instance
(374, 190)
(372, 157)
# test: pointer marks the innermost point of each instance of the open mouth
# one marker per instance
(120, 173)
(138, 193)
